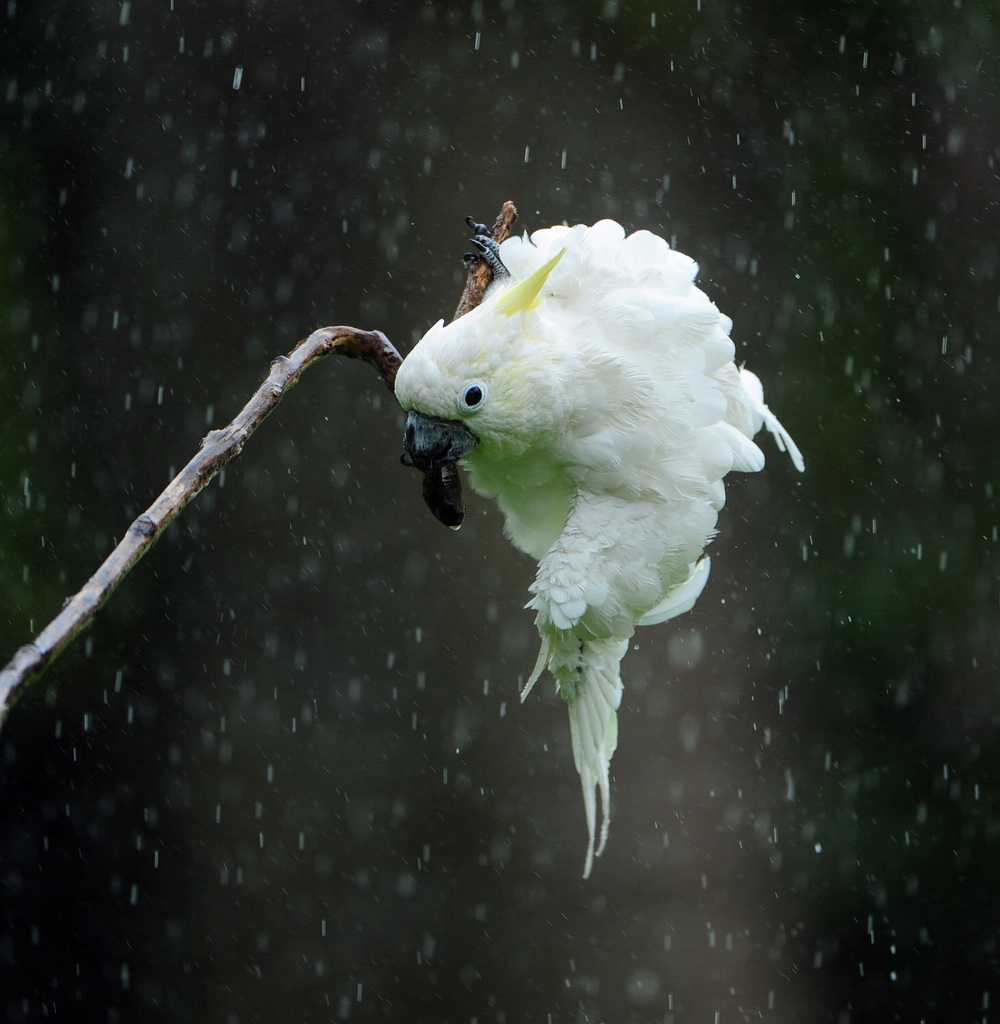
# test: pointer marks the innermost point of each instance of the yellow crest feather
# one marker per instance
(524, 295)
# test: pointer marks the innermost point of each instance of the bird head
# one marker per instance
(481, 383)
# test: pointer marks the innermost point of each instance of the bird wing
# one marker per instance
(682, 598)
(615, 560)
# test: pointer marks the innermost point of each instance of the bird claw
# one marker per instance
(487, 250)
(476, 227)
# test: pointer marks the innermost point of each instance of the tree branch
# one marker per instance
(217, 450)
(480, 274)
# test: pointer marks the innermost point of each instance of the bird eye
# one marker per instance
(473, 396)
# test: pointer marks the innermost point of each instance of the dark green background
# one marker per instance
(286, 776)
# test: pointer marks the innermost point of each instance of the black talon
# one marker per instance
(487, 249)
(489, 252)
(477, 228)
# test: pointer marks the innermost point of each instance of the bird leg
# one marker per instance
(488, 251)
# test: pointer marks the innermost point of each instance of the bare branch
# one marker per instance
(442, 491)
(218, 449)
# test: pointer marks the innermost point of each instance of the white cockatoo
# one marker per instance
(594, 394)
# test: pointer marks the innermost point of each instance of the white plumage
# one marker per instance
(595, 395)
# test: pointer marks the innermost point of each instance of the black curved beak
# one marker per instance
(431, 442)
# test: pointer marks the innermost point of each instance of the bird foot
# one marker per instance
(487, 250)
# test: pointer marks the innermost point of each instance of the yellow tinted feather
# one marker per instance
(524, 295)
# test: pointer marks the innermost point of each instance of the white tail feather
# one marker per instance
(588, 678)
(753, 388)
